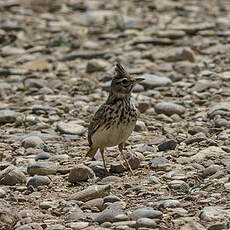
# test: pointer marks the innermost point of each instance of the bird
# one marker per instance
(114, 121)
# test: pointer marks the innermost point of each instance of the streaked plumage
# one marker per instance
(115, 120)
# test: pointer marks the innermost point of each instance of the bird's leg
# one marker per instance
(103, 159)
(124, 157)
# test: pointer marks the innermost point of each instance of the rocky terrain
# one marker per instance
(57, 60)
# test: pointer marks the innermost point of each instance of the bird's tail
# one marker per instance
(91, 153)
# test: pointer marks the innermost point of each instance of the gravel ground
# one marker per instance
(57, 60)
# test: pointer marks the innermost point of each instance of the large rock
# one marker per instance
(12, 176)
(7, 116)
(80, 173)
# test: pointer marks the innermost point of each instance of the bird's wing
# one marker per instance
(97, 121)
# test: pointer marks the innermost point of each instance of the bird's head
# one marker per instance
(123, 83)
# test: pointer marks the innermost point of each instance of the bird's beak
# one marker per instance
(137, 80)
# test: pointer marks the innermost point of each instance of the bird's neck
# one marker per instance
(113, 97)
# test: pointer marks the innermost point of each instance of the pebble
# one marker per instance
(95, 65)
(146, 222)
(36, 181)
(7, 116)
(78, 225)
(179, 185)
(209, 171)
(42, 168)
(98, 203)
(92, 192)
(32, 142)
(47, 204)
(169, 108)
(214, 213)
(2, 193)
(193, 225)
(12, 176)
(42, 156)
(109, 214)
(152, 81)
(80, 173)
(111, 199)
(71, 127)
(167, 145)
(140, 126)
(145, 213)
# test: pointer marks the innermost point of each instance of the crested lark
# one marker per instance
(115, 120)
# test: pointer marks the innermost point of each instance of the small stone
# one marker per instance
(71, 127)
(111, 199)
(2, 193)
(143, 106)
(92, 192)
(210, 152)
(169, 108)
(192, 225)
(47, 204)
(36, 181)
(98, 203)
(109, 214)
(167, 145)
(12, 176)
(42, 156)
(80, 173)
(95, 66)
(152, 81)
(32, 142)
(78, 225)
(184, 54)
(159, 163)
(171, 204)
(179, 185)
(212, 169)
(214, 213)
(145, 213)
(37, 64)
(140, 126)
(7, 116)
(42, 168)
(146, 222)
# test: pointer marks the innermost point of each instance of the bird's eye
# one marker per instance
(125, 81)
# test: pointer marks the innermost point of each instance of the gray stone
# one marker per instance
(146, 222)
(192, 225)
(109, 214)
(71, 127)
(140, 126)
(95, 65)
(167, 145)
(179, 185)
(169, 108)
(80, 173)
(42, 156)
(36, 181)
(12, 176)
(7, 116)
(152, 81)
(171, 204)
(212, 169)
(47, 204)
(111, 199)
(2, 193)
(214, 213)
(92, 192)
(31, 142)
(42, 168)
(145, 213)
(98, 203)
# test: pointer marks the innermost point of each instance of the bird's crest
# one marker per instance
(121, 72)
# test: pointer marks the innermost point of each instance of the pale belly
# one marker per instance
(113, 136)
